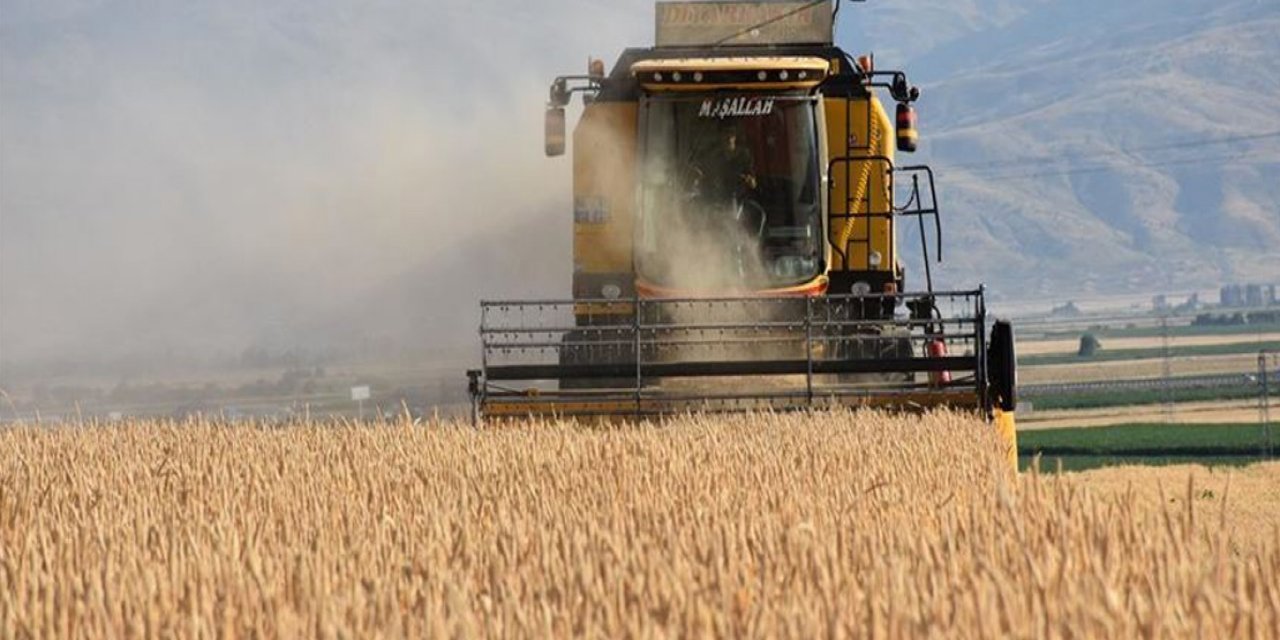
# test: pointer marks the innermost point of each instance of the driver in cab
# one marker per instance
(729, 172)
(725, 181)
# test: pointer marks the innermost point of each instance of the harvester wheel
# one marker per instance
(1002, 366)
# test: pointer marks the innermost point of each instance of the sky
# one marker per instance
(196, 176)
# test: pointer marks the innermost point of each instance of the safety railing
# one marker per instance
(798, 351)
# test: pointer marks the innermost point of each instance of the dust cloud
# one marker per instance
(711, 249)
(192, 179)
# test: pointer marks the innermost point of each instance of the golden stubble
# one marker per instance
(838, 525)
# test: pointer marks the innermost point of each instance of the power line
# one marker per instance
(1183, 144)
(1189, 162)
(1245, 158)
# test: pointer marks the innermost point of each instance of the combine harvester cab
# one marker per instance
(737, 203)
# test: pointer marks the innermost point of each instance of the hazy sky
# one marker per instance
(202, 174)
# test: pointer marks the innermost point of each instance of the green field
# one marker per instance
(1106, 355)
(1134, 397)
(1147, 444)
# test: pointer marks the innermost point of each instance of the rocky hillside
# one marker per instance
(1097, 146)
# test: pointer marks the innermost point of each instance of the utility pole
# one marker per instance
(1264, 397)
(1166, 369)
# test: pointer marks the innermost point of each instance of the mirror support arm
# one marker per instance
(565, 86)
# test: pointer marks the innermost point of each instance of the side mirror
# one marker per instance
(555, 132)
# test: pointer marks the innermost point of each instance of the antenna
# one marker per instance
(836, 13)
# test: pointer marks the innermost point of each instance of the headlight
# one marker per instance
(611, 292)
(861, 289)
(875, 258)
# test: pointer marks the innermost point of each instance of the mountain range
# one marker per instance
(1096, 147)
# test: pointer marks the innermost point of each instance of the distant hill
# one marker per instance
(1096, 146)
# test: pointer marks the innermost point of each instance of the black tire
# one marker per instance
(1002, 367)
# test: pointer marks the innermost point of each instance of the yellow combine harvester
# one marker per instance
(736, 208)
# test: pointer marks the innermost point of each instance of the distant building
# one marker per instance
(1253, 296)
(1192, 304)
(1235, 296)
(1068, 310)
(1231, 296)
(1160, 303)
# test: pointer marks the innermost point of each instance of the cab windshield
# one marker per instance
(730, 195)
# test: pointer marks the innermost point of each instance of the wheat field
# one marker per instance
(1134, 369)
(831, 525)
